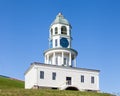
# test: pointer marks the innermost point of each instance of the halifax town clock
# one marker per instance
(64, 42)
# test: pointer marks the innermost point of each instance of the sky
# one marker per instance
(24, 31)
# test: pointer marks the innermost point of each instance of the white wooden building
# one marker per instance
(59, 70)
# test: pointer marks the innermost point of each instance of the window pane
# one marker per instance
(82, 78)
(92, 79)
(53, 76)
(56, 42)
(41, 74)
(51, 44)
(64, 30)
(56, 30)
(51, 31)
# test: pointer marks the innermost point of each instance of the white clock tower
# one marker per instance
(60, 52)
(59, 70)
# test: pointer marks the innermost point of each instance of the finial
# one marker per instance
(59, 13)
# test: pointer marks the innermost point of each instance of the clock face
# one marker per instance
(64, 42)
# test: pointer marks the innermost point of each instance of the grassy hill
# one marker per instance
(10, 83)
(13, 87)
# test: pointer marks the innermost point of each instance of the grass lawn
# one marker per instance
(47, 92)
(12, 87)
(8, 83)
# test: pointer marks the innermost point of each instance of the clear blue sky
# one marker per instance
(24, 29)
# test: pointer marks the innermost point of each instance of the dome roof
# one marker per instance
(60, 20)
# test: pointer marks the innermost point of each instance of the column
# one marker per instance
(70, 59)
(62, 58)
(59, 32)
(45, 59)
(59, 29)
(54, 58)
(74, 61)
(48, 59)
(68, 31)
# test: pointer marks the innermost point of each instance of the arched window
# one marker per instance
(56, 30)
(51, 31)
(64, 30)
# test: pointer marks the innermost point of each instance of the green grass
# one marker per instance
(10, 87)
(46, 92)
(8, 83)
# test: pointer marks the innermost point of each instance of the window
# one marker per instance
(82, 78)
(50, 43)
(56, 30)
(92, 79)
(64, 30)
(53, 76)
(51, 31)
(41, 74)
(56, 42)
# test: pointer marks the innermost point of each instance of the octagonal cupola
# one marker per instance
(60, 28)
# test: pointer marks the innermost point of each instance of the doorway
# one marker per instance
(68, 81)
